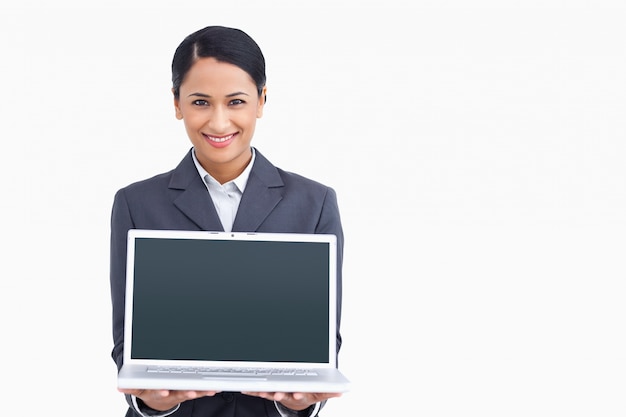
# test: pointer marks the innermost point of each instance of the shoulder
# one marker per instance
(157, 181)
(276, 176)
(300, 180)
(182, 174)
(145, 191)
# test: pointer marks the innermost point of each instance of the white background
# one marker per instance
(477, 148)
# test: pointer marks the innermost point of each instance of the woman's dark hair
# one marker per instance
(224, 44)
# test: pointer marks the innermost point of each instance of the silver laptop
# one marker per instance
(231, 312)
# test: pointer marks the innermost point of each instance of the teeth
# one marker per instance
(214, 139)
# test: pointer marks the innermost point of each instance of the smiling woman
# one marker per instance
(222, 184)
(219, 104)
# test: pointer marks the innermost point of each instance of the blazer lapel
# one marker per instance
(194, 200)
(263, 192)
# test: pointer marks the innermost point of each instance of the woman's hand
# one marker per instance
(163, 400)
(295, 400)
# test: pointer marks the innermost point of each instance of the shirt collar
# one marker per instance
(241, 181)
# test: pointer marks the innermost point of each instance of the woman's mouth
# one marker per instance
(219, 141)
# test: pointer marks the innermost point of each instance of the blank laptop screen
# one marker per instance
(223, 300)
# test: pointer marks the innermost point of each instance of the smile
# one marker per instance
(219, 139)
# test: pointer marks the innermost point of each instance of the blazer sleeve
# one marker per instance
(121, 222)
(330, 222)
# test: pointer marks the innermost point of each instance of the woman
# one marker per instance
(222, 183)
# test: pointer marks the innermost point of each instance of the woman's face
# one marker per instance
(219, 105)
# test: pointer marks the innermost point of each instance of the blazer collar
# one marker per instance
(263, 192)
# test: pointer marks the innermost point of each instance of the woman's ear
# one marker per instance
(262, 101)
(179, 114)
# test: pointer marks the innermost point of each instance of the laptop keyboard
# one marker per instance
(231, 371)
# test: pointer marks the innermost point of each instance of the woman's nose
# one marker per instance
(220, 120)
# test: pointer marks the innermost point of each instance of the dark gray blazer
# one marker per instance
(273, 201)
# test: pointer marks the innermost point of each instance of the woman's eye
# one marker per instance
(200, 103)
(237, 101)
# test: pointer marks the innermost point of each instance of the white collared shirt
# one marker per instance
(226, 197)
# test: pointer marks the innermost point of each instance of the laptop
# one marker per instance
(231, 311)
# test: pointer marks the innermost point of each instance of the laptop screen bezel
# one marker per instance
(330, 239)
